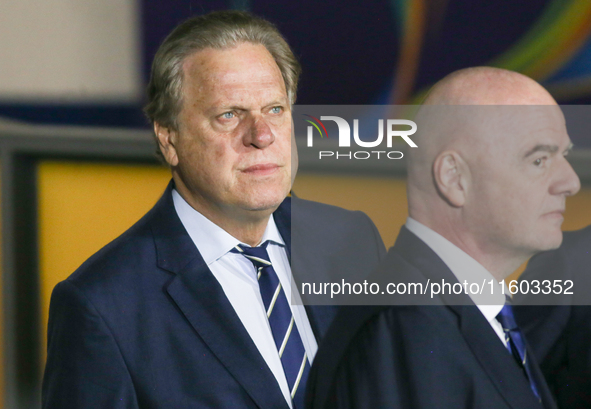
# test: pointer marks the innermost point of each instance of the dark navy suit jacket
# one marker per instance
(144, 323)
(560, 333)
(418, 356)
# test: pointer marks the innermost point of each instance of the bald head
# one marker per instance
(449, 117)
(485, 137)
(445, 120)
(487, 86)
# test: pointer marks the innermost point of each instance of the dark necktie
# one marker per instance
(285, 332)
(516, 343)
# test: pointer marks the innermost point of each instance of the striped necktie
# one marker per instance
(285, 332)
(516, 343)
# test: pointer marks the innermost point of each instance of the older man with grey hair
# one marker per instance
(189, 308)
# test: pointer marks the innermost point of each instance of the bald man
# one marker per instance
(486, 190)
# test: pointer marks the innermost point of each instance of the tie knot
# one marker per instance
(257, 255)
(507, 319)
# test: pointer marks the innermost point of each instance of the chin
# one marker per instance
(552, 240)
(269, 203)
(270, 207)
(266, 198)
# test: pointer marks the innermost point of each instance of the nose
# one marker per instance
(567, 182)
(258, 134)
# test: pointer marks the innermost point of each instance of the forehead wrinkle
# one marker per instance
(206, 71)
(232, 96)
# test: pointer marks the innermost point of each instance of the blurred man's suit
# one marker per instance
(560, 335)
(414, 344)
(145, 324)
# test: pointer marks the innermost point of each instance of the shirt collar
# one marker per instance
(212, 241)
(464, 267)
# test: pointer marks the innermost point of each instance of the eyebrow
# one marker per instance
(543, 148)
(223, 108)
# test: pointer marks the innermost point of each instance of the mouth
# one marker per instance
(556, 214)
(261, 169)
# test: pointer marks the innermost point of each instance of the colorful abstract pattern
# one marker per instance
(555, 50)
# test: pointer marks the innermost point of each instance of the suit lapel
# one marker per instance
(202, 301)
(319, 316)
(543, 388)
(495, 360)
(483, 342)
(282, 217)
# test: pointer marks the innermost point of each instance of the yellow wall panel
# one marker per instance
(82, 207)
(382, 199)
(578, 210)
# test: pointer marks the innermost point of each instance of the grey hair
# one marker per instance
(217, 30)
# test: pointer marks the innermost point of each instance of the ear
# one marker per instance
(167, 140)
(451, 176)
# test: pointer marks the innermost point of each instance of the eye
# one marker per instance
(228, 115)
(276, 110)
(540, 161)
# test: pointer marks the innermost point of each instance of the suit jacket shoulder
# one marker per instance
(417, 356)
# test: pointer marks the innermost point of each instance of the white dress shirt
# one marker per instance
(465, 268)
(238, 278)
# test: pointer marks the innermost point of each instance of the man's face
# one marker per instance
(520, 180)
(233, 144)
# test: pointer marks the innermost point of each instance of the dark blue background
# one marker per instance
(348, 49)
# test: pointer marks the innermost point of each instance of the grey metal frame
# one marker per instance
(21, 148)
